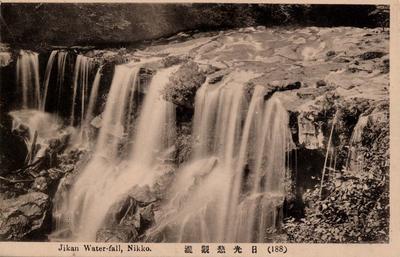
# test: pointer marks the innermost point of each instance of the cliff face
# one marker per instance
(334, 83)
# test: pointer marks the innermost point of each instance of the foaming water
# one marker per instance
(28, 79)
(107, 179)
(232, 189)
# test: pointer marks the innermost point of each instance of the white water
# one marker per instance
(83, 68)
(106, 179)
(214, 201)
(84, 132)
(28, 79)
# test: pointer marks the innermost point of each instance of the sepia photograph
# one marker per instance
(194, 123)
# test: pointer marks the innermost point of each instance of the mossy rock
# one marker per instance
(183, 85)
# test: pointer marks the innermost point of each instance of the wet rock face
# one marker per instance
(5, 55)
(310, 134)
(22, 215)
(12, 148)
(130, 218)
(120, 234)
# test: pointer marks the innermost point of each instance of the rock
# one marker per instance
(5, 55)
(172, 60)
(310, 136)
(40, 184)
(371, 55)
(183, 85)
(55, 174)
(13, 149)
(215, 78)
(208, 69)
(146, 216)
(142, 194)
(96, 122)
(320, 83)
(22, 215)
(122, 234)
(384, 66)
(330, 53)
(163, 181)
(123, 212)
(312, 93)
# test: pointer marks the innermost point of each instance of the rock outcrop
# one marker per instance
(22, 215)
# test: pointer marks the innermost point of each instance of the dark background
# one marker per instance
(37, 24)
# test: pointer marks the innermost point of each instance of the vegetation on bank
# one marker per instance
(354, 206)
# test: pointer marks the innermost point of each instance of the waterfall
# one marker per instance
(155, 130)
(354, 159)
(106, 179)
(232, 189)
(84, 137)
(28, 79)
(47, 74)
(83, 68)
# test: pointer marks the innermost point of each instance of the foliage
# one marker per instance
(212, 16)
(381, 15)
(355, 204)
(105, 24)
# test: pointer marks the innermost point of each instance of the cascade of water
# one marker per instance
(103, 182)
(84, 130)
(76, 204)
(83, 68)
(232, 188)
(28, 79)
(47, 74)
(264, 186)
(354, 160)
(156, 131)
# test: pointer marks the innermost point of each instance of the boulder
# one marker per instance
(183, 85)
(22, 215)
(12, 148)
(122, 234)
(310, 135)
(40, 184)
(142, 194)
(371, 55)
